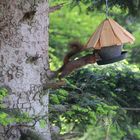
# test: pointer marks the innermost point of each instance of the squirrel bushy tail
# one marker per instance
(75, 48)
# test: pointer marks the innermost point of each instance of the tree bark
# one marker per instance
(24, 61)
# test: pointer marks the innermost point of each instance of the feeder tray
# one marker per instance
(108, 41)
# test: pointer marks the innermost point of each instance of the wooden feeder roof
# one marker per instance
(109, 33)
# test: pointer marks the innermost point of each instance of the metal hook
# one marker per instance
(107, 9)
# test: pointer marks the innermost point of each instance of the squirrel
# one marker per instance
(75, 48)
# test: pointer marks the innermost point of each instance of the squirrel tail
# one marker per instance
(75, 48)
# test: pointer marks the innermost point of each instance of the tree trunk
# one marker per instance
(24, 60)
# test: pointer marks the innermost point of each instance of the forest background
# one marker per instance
(101, 102)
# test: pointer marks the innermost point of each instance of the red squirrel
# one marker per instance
(75, 48)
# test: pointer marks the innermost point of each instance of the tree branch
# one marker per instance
(54, 85)
(131, 109)
(56, 7)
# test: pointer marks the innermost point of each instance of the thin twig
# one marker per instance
(56, 7)
(131, 109)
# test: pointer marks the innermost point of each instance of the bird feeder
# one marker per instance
(107, 41)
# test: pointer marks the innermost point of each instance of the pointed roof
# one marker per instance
(109, 33)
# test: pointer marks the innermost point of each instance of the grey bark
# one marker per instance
(24, 60)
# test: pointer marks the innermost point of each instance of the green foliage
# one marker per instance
(94, 98)
(42, 123)
(131, 6)
(69, 24)
(8, 116)
(3, 93)
(99, 96)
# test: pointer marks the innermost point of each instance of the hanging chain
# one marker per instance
(107, 9)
